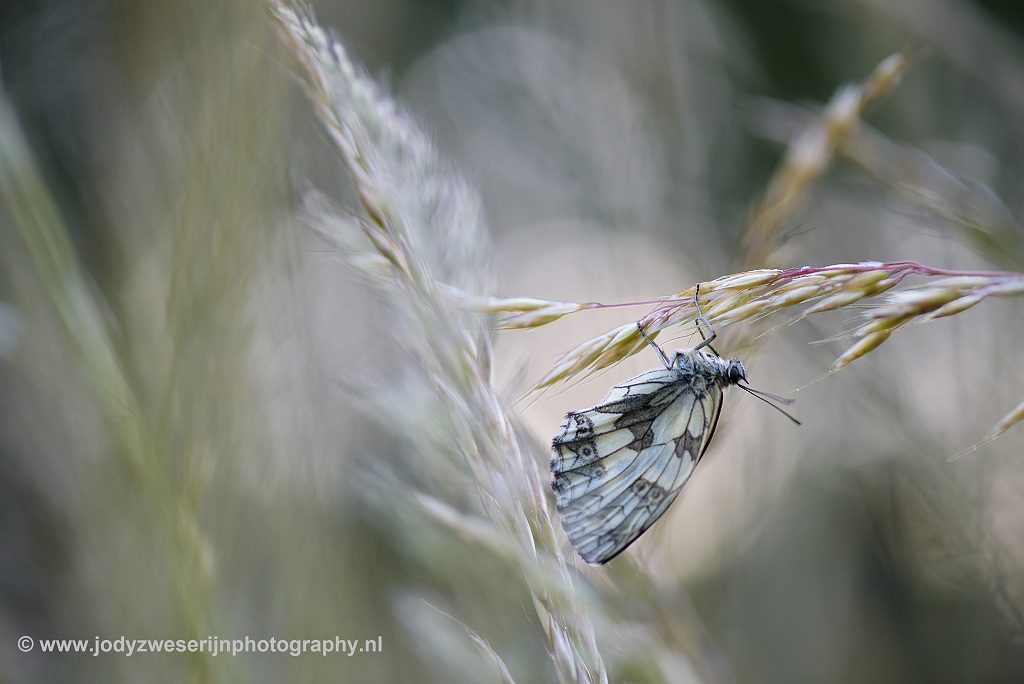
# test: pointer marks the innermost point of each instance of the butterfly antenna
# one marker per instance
(768, 398)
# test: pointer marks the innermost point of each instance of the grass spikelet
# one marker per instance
(744, 296)
(491, 657)
(809, 155)
(867, 343)
(1005, 423)
(965, 206)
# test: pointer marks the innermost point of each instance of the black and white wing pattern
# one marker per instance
(617, 467)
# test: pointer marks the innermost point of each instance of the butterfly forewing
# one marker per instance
(617, 467)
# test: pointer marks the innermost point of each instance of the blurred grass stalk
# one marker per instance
(134, 413)
(79, 310)
(424, 221)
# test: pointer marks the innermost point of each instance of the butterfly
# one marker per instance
(618, 466)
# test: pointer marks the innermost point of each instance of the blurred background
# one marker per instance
(199, 400)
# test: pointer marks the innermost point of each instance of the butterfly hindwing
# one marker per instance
(617, 467)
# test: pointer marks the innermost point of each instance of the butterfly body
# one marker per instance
(618, 466)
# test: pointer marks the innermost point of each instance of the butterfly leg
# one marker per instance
(661, 354)
(706, 341)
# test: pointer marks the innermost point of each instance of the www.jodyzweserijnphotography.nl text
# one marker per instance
(210, 645)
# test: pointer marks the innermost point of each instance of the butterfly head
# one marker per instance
(735, 371)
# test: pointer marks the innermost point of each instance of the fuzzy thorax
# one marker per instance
(697, 362)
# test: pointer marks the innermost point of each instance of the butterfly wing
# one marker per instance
(617, 467)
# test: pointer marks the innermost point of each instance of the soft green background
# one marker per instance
(214, 456)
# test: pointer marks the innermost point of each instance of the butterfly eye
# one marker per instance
(735, 372)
